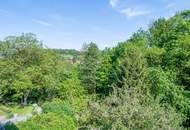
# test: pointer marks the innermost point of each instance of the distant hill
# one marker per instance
(71, 55)
(67, 51)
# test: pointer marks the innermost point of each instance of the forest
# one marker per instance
(142, 83)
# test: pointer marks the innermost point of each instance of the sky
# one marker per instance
(71, 23)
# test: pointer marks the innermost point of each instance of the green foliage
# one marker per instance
(72, 91)
(141, 84)
(49, 121)
(25, 68)
(184, 72)
(163, 82)
(59, 107)
(57, 115)
(67, 51)
(31, 73)
(133, 69)
(167, 92)
(154, 56)
(131, 106)
(9, 111)
(11, 127)
(63, 110)
(122, 111)
(71, 55)
(89, 66)
(139, 38)
(103, 74)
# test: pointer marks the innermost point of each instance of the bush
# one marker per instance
(11, 126)
(123, 111)
(49, 121)
(59, 107)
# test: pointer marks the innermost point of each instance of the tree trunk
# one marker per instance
(25, 100)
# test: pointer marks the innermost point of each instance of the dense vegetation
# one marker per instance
(141, 84)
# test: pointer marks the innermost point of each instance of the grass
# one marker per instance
(22, 110)
(2, 113)
(8, 111)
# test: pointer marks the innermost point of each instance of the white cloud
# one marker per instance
(44, 23)
(114, 3)
(130, 12)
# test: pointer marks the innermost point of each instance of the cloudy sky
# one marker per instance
(70, 23)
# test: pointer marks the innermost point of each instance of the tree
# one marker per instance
(20, 55)
(89, 66)
(171, 37)
(103, 74)
(71, 90)
(133, 71)
(28, 71)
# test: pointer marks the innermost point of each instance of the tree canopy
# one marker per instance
(143, 83)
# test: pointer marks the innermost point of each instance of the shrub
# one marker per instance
(49, 121)
(59, 107)
(123, 111)
(10, 126)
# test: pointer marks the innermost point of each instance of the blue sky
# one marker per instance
(70, 23)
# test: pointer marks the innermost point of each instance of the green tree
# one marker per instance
(28, 71)
(19, 55)
(133, 71)
(71, 89)
(89, 66)
(103, 73)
